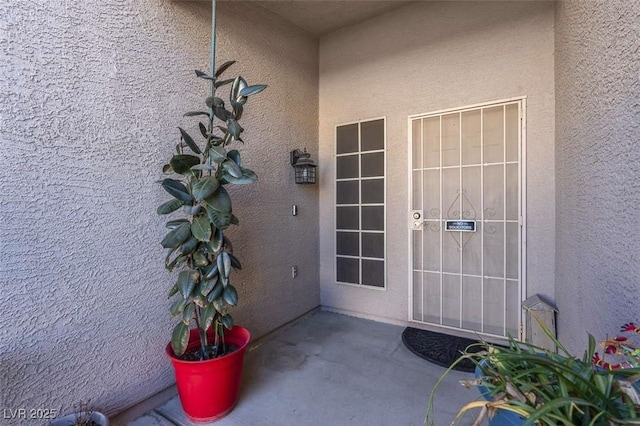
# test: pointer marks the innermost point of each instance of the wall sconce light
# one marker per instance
(304, 167)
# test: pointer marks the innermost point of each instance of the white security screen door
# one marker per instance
(466, 218)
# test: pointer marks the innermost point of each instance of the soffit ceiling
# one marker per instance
(319, 17)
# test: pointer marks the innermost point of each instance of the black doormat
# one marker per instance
(438, 348)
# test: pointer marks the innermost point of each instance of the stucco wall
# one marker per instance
(597, 167)
(92, 94)
(425, 57)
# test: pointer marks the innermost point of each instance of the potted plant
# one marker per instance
(208, 358)
(83, 417)
(524, 384)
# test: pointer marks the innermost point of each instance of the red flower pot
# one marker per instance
(209, 389)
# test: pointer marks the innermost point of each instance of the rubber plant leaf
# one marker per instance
(177, 189)
(231, 168)
(188, 312)
(200, 301)
(177, 307)
(194, 113)
(217, 154)
(212, 101)
(216, 292)
(182, 163)
(173, 224)
(176, 262)
(230, 295)
(201, 228)
(227, 321)
(237, 109)
(204, 75)
(207, 315)
(219, 304)
(205, 187)
(234, 128)
(192, 210)
(180, 338)
(221, 265)
(222, 68)
(220, 220)
(248, 176)
(226, 260)
(203, 167)
(189, 246)
(252, 90)
(216, 240)
(219, 201)
(187, 281)
(173, 291)
(234, 155)
(176, 236)
(238, 84)
(221, 113)
(189, 140)
(220, 83)
(200, 259)
(212, 272)
(203, 130)
(170, 206)
(207, 285)
(235, 263)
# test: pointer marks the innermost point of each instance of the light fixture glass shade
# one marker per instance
(306, 174)
(305, 169)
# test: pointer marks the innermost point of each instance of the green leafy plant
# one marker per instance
(197, 245)
(548, 388)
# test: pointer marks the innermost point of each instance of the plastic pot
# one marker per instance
(501, 417)
(209, 389)
(70, 420)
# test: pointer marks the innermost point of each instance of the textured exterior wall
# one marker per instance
(426, 57)
(92, 94)
(597, 167)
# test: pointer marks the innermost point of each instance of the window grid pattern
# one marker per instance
(360, 240)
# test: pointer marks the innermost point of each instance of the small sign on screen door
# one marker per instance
(460, 225)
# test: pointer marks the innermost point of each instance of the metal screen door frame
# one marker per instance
(521, 201)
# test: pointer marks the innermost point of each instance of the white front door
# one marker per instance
(466, 218)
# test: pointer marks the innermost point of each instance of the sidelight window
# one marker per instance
(360, 239)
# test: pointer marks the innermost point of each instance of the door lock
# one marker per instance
(416, 219)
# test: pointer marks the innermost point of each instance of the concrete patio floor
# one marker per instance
(331, 369)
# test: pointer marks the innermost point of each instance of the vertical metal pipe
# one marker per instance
(213, 44)
(212, 72)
